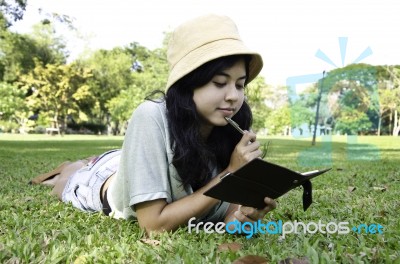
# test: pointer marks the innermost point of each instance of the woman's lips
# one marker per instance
(227, 111)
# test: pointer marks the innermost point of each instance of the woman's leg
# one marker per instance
(62, 178)
(67, 179)
(48, 178)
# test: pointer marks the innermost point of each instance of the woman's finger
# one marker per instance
(243, 217)
(247, 137)
(271, 203)
(256, 214)
(251, 213)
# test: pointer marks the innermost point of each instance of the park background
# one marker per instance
(331, 67)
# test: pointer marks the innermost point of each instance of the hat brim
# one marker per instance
(211, 51)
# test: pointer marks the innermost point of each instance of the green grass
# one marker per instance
(36, 228)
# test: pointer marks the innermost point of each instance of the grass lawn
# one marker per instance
(363, 187)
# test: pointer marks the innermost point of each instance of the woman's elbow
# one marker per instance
(151, 217)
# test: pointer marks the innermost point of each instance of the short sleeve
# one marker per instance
(146, 172)
(144, 164)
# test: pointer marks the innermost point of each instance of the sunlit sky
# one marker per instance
(287, 33)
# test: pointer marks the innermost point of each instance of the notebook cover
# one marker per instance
(258, 179)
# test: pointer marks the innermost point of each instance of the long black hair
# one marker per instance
(195, 158)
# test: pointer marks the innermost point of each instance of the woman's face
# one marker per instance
(221, 97)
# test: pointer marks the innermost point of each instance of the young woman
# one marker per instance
(177, 147)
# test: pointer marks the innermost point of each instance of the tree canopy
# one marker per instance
(41, 86)
(11, 11)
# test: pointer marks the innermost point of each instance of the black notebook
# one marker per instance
(258, 179)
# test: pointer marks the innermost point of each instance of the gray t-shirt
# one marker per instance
(146, 172)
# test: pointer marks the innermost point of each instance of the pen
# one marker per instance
(236, 126)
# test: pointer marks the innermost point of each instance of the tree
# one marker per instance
(278, 115)
(256, 93)
(11, 11)
(51, 47)
(112, 74)
(387, 106)
(389, 95)
(301, 114)
(150, 77)
(18, 52)
(353, 93)
(352, 122)
(12, 104)
(56, 89)
(278, 121)
(17, 55)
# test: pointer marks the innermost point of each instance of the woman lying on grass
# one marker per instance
(177, 147)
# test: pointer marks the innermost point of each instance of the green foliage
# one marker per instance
(11, 101)
(109, 84)
(300, 114)
(11, 11)
(279, 121)
(256, 93)
(56, 89)
(362, 91)
(151, 77)
(7, 126)
(122, 106)
(111, 74)
(352, 122)
(50, 47)
(19, 52)
(37, 228)
(356, 92)
(389, 97)
(277, 102)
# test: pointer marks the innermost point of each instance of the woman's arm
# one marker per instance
(244, 153)
(158, 215)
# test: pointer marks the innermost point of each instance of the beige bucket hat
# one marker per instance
(203, 39)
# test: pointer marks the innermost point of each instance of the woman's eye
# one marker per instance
(218, 84)
(240, 86)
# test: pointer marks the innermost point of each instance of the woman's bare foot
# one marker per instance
(64, 175)
(48, 177)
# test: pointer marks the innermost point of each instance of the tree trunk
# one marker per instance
(379, 124)
(396, 124)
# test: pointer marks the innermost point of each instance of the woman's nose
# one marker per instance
(232, 93)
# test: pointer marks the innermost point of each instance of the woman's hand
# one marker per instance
(245, 151)
(250, 214)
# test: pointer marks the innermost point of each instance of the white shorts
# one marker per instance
(83, 187)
